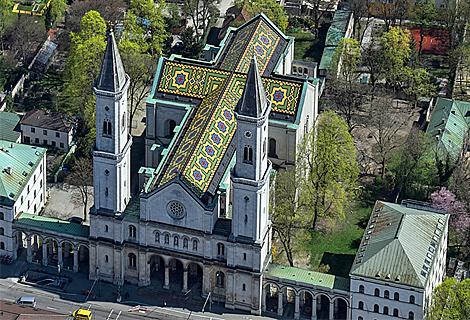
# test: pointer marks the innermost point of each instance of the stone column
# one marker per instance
(167, 276)
(44, 253)
(75, 258)
(314, 308)
(280, 309)
(263, 298)
(297, 306)
(185, 280)
(29, 256)
(332, 307)
(51, 246)
(59, 254)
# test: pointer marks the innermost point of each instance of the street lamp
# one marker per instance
(99, 282)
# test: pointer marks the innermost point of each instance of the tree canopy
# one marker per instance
(450, 300)
(271, 8)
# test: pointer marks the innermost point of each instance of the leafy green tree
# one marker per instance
(5, 11)
(424, 12)
(191, 47)
(450, 300)
(286, 213)
(201, 12)
(417, 83)
(56, 9)
(346, 59)
(396, 51)
(329, 169)
(144, 27)
(413, 166)
(271, 8)
(174, 17)
(141, 69)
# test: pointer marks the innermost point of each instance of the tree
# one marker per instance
(450, 300)
(141, 69)
(82, 177)
(144, 27)
(383, 123)
(459, 222)
(201, 13)
(329, 169)
(424, 12)
(417, 83)
(319, 9)
(55, 11)
(286, 214)
(373, 58)
(24, 37)
(191, 47)
(413, 167)
(271, 8)
(345, 90)
(5, 11)
(360, 9)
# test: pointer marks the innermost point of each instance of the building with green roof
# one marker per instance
(401, 259)
(9, 127)
(449, 124)
(22, 187)
(341, 27)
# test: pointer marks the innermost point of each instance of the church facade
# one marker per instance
(201, 221)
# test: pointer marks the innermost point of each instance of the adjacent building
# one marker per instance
(401, 259)
(22, 187)
(46, 128)
(9, 127)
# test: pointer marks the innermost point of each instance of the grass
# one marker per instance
(306, 47)
(337, 245)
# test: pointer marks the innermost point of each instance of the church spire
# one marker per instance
(112, 76)
(253, 101)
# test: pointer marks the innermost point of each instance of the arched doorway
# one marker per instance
(288, 302)
(20, 245)
(157, 270)
(340, 309)
(323, 307)
(194, 278)
(175, 274)
(67, 255)
(271, 295)
(306, 304)
(36, 248)
(50, 249)
(83, 258)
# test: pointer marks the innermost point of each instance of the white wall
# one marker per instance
(46, 134)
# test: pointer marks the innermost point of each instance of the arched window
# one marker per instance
(132, 231)
(246, 218)
(294, 69)
(220, 249)
(2, 245)
(396, 296)
(220, 279)
(2, 232)
(412, 299)
(244, 256)
(361, 305)
(411, 315)
(157, 237)
(2, 217)
(175, 241)
(360, 318)
(109, 127)
(244, 287)
(264, 148)
(195, 245)
(105, 258)
(132, 260)
(106, 228)
(386, 294)
(167, 239)
(106, 191)
(272, 148)
(123, 121)
(361, 289)
(386, 310)
(395, 312)
(248, 155)
(376, 308)
(377, 292)
(106, 127)
(185, 243)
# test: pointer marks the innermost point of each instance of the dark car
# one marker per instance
(76, 220)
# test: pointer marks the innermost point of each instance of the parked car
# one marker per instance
(76, 220)
(27, 301)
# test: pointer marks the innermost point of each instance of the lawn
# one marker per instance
(306, 47)
(337, 245)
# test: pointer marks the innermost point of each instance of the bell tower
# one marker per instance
(111, 152)
(250, 177)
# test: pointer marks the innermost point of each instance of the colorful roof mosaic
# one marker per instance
(197, 150)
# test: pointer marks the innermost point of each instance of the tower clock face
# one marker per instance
(248, 134)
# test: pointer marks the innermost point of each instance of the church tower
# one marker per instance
(250, 177)
(111, 152)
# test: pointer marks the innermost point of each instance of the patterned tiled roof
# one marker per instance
(206, 134)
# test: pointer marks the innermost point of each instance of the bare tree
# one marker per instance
(383, 122)
(82, 177)
(25, 37)
(201, 12)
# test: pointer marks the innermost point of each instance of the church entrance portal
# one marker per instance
(157, 270)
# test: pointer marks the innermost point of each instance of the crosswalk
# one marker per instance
(111, 315)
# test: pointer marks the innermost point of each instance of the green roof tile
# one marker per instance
(326, 58)
(8, 123)
(307, 277)
(23, 160)
(52, 224)
(397, 242)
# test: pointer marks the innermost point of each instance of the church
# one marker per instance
(214, 131)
